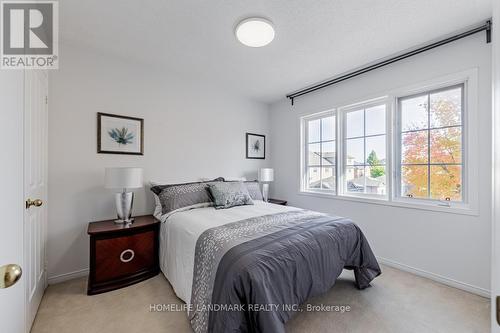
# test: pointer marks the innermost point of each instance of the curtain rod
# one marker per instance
(483, 27)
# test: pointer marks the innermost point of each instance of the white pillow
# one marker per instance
(227, 179)
(235, 179)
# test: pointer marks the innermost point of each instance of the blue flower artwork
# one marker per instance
(121, 136)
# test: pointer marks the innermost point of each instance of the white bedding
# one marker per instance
(180, 231)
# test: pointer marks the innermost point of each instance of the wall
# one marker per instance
(451, 248)
(192, 130)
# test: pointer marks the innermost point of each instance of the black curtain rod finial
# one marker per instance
(488, 31)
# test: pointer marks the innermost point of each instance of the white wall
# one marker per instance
(192, 130)
(449, 247)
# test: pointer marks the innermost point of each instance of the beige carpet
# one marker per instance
(397, 302)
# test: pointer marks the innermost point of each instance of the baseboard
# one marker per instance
(436, 277)
(67, 276)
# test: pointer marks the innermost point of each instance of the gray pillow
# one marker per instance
(183, 196)
(229, 194)
(253, 188)
(157, 188)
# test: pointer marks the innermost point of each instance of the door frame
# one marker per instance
(13, 304)
(495, 224)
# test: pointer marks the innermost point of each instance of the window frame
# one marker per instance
(304, 143)
(470, 130)
(342, 115)
(464, 153)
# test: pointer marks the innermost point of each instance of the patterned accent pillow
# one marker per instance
(253, 188)
(156, 188)
(180, 197)
(229, 194)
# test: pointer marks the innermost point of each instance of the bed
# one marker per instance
(248, 268)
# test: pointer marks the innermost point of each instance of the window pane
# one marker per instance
(414, 113)
(375, 150)
(355, 124)
(355, 179)
(313, 178)
(313, 130)
(375, 181)
(328, 128)
(446, 145)
(314, 154)
(446, 182)
(414, 147)
(446, 108)
(355, 151)
(328, 151)
(414, 181)
(328, 178)
(375, 120)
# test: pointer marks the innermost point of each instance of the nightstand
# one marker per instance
(121, 255)
(278, 202)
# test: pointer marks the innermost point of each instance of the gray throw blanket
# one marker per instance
(251, 275)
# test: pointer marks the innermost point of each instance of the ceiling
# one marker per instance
(315, 39)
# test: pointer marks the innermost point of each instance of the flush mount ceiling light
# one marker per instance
(255, 32)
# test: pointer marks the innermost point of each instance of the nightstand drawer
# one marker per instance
(120, 256)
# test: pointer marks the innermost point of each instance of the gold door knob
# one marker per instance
(36, 203)
(9, 275)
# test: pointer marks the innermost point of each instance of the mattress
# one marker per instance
(180, 232)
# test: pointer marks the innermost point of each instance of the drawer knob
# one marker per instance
(124, 254)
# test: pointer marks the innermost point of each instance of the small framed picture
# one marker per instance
(119, 134)
(256, 146)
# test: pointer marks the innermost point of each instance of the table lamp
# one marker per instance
(266, 175)
(125, 179)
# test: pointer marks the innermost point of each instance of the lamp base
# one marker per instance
(124, 202)
(265, 192)
(129, 221)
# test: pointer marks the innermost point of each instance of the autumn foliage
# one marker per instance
(439, 142)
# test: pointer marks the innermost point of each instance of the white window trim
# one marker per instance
(398, 154)
(303, 151)
(341, 148)
(470, 132)
(470, 139)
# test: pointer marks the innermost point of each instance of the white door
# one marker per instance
(35, 188)
(23, 175)
(12, 299)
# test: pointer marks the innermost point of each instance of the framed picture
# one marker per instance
(119, 134)
(256, 146)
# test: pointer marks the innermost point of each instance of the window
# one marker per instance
(365, 142)
(408, 148)
(320, 153)
(431, 144)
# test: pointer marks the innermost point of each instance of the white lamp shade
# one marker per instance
(123, 178)
(266, 175)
